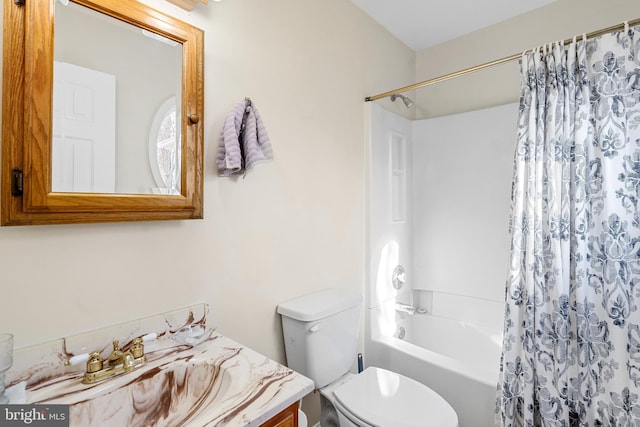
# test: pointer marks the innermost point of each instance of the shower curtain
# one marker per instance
(571, 349)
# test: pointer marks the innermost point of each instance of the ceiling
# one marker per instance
(424, 23)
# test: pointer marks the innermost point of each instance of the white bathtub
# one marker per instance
(456, 359)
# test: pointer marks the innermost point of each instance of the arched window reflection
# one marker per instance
(164, 149)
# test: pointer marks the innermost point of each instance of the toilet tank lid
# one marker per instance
(318, 305)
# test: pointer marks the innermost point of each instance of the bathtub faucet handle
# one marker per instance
(405, 308)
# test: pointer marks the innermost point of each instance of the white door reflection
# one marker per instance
(84, 123)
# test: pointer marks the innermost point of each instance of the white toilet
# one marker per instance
(321, 339)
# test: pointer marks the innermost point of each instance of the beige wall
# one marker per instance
(500, 84)
(292, 226)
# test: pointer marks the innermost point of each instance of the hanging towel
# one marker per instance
(243, 141)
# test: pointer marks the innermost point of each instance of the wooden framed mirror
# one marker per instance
(108, 61)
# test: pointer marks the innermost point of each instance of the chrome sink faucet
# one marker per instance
(117, 363)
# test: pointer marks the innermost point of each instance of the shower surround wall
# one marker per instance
(462, 179)
(447, 224)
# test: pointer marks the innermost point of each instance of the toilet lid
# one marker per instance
(383, 398)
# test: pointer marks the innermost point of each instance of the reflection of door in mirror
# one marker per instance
(84, 123)
(148, 70)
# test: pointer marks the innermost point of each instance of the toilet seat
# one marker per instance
(377, 397)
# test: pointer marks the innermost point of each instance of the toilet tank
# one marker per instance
(321, 333)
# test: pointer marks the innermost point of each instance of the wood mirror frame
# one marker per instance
(27, 92)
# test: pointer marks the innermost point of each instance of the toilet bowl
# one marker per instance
(321, 334)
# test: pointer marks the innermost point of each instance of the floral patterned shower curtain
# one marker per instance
(571, 352)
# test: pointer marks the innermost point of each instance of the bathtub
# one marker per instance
(456, 359)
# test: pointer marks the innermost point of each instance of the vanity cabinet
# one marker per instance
(286, 418)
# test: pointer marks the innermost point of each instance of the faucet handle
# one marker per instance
(137, 348)
(94, 364)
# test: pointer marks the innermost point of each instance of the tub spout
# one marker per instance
(405, 308)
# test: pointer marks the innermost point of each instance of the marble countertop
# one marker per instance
(218, 382)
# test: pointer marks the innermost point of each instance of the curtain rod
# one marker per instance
(491, 64)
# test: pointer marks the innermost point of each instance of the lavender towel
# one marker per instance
(234, 159)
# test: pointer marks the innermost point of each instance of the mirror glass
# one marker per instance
(115, 91)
